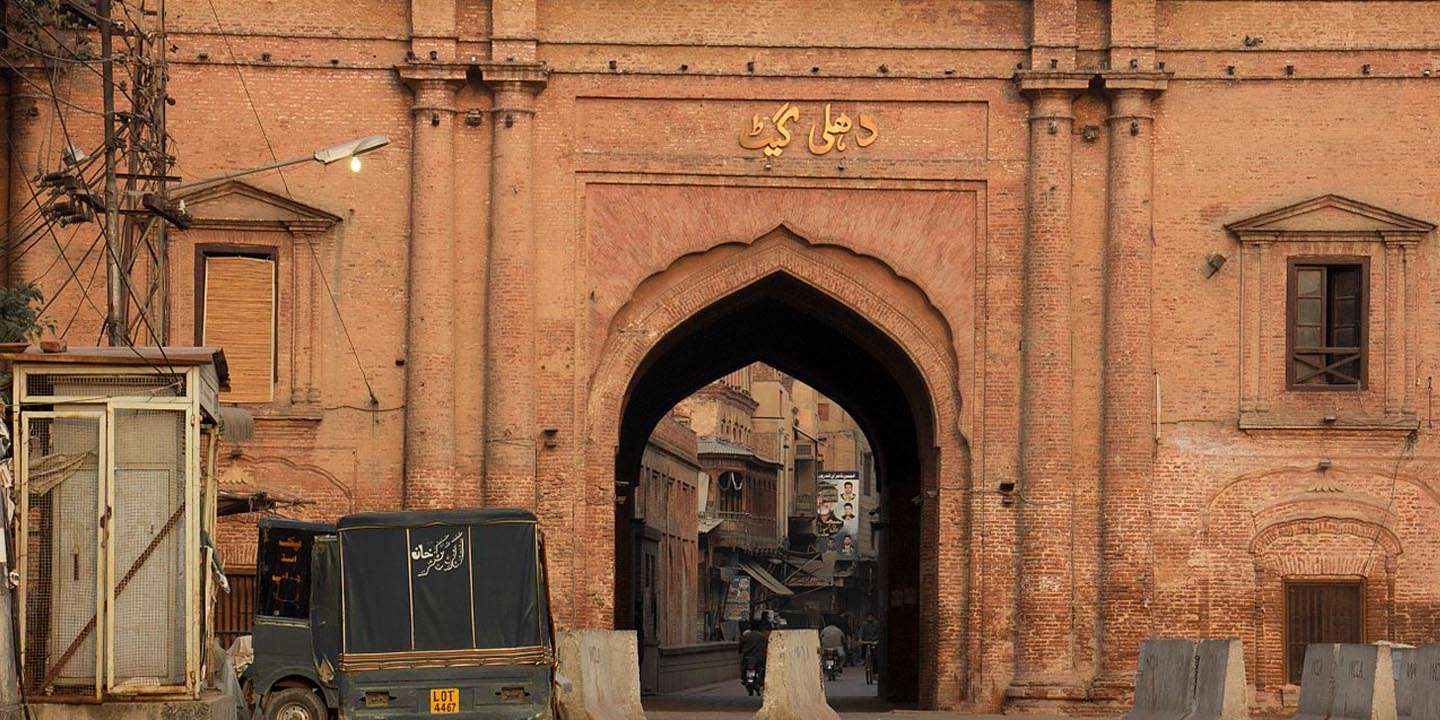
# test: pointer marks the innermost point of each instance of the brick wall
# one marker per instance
(646, 211)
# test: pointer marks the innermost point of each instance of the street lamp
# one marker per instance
(351, 150)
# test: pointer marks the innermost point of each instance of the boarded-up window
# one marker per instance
(239, 317)
(1319, 612)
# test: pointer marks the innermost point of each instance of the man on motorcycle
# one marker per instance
(833, 638)
(753, 645)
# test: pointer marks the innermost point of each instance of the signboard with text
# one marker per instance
(837, 512)
(737, 599)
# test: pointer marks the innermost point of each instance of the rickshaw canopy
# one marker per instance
(442, 581)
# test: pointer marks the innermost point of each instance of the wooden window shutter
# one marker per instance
(240, 319)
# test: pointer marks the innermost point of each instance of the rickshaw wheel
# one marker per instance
(295, 704)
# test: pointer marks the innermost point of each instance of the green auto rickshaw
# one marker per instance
(402, 615)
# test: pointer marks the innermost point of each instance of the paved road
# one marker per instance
(849, 695)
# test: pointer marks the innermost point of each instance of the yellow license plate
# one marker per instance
(444, 701)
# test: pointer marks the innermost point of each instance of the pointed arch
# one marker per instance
(696, 281)
(856, 297)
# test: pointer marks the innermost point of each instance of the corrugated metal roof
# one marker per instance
(766, 578)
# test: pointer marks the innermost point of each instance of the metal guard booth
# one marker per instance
(439, 589)
(115, 470)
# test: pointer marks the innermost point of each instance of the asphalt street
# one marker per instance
(849, 695)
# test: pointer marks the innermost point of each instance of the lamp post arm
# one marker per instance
(241, 173)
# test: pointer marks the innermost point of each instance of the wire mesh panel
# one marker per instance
(101, 386)
(148, 535)
(61, 474)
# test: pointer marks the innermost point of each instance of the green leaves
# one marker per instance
(20, 313)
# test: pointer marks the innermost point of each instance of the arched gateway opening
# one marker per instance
(814, 313)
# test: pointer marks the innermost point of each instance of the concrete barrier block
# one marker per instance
(1165, 685)
(1403, 666)
(1317, 681)
(1364, 683)
(1425, 692)
(1220, 681)
(793, 687)
(597, 675)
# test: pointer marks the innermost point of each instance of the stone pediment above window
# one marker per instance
(259, 262)
(1329, 291)
(1331, 217)
(235, 205)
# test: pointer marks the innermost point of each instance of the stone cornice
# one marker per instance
(1152, 81)
(1034, 81)
(531, 74)
(415, 73)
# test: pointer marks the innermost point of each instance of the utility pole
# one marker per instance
(117, 304)
(149, 212)
(136, 215)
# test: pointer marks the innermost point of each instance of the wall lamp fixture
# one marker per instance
(1213, 263)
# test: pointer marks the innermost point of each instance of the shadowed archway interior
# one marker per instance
(799, 330)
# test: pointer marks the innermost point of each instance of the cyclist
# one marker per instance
(869, 639)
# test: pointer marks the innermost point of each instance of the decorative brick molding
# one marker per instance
(901, 311)
(925, 338)
(1329, 225)
(1319, 549)
(240, 214)
(1271, 551)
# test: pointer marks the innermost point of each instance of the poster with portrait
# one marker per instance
(837, 512)
(737, 599)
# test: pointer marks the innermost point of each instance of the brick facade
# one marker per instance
(1020, 256)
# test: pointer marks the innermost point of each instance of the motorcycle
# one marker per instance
(831, 664)
(752, 677)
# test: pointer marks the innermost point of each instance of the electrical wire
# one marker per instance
(48, 56)
(43, 231)
(56, 294)
(38, 207)
(110, 242)
(125, 278)
(45, 27)
(1410, 441)
(364, 409)
(48, 223)
(319, 267)
(18, 72)
(95, 270)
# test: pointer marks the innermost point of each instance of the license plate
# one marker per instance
(444, 701)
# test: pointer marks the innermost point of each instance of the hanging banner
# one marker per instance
(737, 599)
(837, 510)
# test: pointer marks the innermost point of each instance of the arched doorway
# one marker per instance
(875, 350)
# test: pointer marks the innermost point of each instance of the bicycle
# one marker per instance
(867, 648)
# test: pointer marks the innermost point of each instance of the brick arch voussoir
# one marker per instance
(925, 341)
(897, 307)
(1383, 538)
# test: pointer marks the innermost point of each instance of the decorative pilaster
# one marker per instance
(430, 472)
(302, 306)
(311, 297)
(1045, 642)
(1128, 384)
(511, 434)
